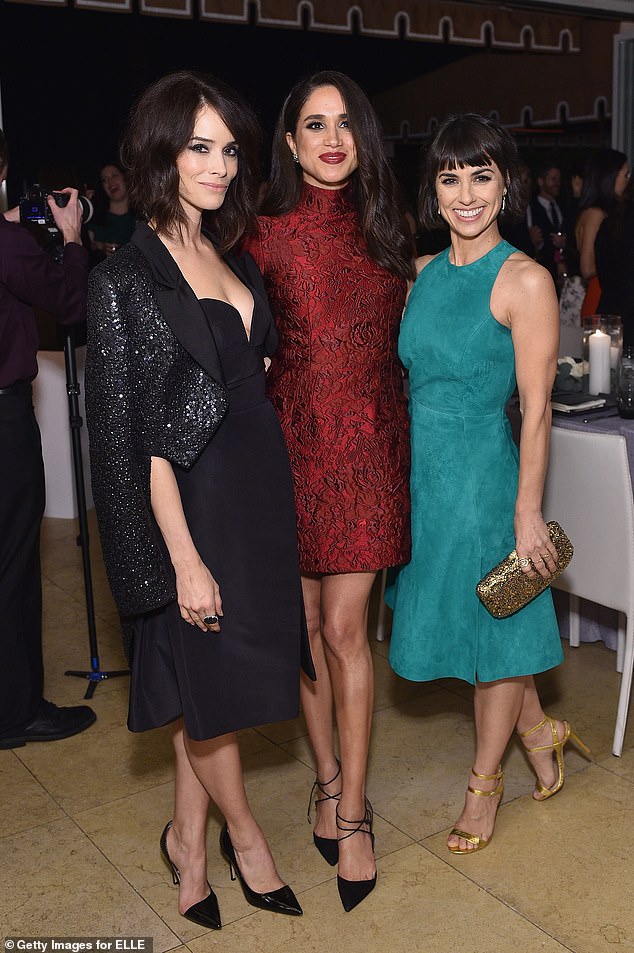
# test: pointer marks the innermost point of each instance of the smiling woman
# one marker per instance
(196, 540)
(470, 198)
(323, 144)
(480, 318)
(336, 255)
(208, 164)
(113, 221)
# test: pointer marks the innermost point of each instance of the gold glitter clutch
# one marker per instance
(505, 589)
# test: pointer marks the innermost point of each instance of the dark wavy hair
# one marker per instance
(599, 179)
(375, 193)
(468, 139)
(161, 124)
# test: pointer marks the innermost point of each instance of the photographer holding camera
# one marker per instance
(29, 278)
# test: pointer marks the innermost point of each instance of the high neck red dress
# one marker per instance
(337, 384)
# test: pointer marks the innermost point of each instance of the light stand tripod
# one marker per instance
(95, 675)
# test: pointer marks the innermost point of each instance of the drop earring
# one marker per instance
(503, 201)
(295, 157)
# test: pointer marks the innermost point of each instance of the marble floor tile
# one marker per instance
(67, 648)
(55, 882)
(565, 864)
(390, 689)
(555, 877)
(283, 731)
(379, 648)
(420, 757)
(419, 906)
(127, 831)
(24, 802)
(584, 690)
(623, 767)
(105, 762)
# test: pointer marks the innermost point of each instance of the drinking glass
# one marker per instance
(625, 385)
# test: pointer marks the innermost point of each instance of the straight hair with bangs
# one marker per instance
(375, 192)
(469, 139)
(160, 126)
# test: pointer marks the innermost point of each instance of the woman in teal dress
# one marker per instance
(481, 318)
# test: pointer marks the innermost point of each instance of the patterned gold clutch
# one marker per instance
(505, 589)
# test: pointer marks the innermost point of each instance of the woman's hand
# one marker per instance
(534, 547)
(198, 595)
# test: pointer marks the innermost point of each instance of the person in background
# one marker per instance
(113, 221)
(336, 255)
(548, 215)
(29, 278)
(191, 479)
(480, 318)
(614, 254)
(520, 231)
(605, 180)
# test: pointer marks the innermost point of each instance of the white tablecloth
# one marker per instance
(50, 400)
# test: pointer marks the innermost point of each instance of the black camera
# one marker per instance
(34, 208)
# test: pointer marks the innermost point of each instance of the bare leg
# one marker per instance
(317, 705)
(217, 767)
(530, 715)
(186, 837)
(496, 707)
(344, 614)
(211, 770)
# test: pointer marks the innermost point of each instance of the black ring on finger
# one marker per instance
(210, 620)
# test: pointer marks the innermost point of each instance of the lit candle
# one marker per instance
(599, 363)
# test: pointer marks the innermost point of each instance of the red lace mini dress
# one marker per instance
(337, 384)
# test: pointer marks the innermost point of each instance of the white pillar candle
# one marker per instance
(599, 363)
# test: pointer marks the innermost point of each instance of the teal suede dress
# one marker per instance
(464, 483)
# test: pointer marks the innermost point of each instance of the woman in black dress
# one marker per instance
(191, 479)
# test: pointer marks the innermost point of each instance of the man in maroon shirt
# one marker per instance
(29, 278)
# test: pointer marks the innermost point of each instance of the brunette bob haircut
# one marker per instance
(469, 140)
(161, 124)
(375, 193)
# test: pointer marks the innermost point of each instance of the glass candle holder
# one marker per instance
(608, 324)
(625, 383)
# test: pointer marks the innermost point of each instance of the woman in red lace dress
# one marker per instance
(336, 256)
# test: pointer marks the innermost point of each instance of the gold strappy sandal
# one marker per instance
(479, 842)
(557, 747)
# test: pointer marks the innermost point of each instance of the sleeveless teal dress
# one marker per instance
(464, 483)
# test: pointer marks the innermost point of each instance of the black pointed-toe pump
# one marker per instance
(205, 913)
(282, 900)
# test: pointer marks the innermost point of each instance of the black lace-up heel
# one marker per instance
(352, 892)
(328, 847)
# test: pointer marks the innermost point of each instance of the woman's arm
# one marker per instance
(586, 231)
(534, 322)
(197, 591)
(134, 560)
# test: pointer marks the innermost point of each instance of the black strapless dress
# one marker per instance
(239, 505)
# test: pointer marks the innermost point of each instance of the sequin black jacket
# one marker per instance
(153, 388)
